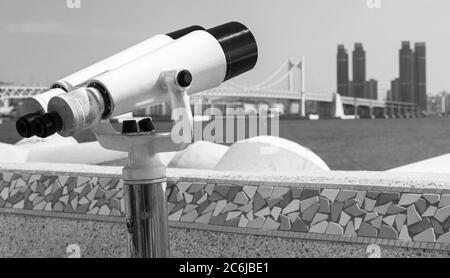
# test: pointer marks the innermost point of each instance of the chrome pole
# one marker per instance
(145, 206)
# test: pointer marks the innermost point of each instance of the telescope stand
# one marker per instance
(145, 176)
(145, 203)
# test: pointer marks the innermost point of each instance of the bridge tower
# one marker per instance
(291, 86)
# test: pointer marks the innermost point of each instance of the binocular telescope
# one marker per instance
(199, 60)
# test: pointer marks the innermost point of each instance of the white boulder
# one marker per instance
(198, 155)
(270, 154)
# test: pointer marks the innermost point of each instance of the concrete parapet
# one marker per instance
(401, 212)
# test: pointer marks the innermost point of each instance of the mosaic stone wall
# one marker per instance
(396, 216)
(416, 218)
(68, 194)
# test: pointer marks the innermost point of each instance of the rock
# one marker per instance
(270, 154)
(344, 219)
(309, 214)
(330, 194)
(293, 206)
(430, 211)
(304, 205)
(319, 217)
(299, 226)
(421, 205)
(421, 226)
(388, 232)
(369, 204)
(199, 155)
(308, 193)
(336, 209)
(257, 223)
(404, 234)
(389, 220)
(383, 208)
(413, 216)
(442, 213)
(373, 194)
(432, 198)
(395, 209)
(369, 216)
(334, 229)
(324, 205)
(445, 238)
(377, 222)
(354, 210)
(344, 195)
(319, 228)
(367, 230)
(426, 236)
(350, 230)
(270, 224)
(408, 199)
(386, 197)
(285, 223)
(445, 200)
(399, 221)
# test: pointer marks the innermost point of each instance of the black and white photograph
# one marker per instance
(224, 129)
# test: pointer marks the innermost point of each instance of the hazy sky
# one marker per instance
(41, 41)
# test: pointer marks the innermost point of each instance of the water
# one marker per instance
(365, 144)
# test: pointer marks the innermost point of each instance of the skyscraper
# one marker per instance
(420, 76)
(371, 89)
(395, 90)
(359, 70)
(406, 77)
(342, 71)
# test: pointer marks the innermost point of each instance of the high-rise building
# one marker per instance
(371, 89)
(359, 70)
(439, 104)
(406, 77)
(395, 90)
(420, 76)
(351, 90)
(342, 71)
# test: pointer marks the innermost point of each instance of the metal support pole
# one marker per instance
(147, 220)
(145, 203)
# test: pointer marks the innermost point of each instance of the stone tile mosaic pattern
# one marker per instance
(339, 213)
(79, 195)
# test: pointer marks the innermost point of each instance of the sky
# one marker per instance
(42, 41)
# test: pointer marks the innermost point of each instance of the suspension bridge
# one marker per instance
(287, 85)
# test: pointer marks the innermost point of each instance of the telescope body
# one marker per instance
(210, 57)
(39, 102)
(36, 105)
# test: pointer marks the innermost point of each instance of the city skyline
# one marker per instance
(411, 83)
(359, 86)
(48, 35)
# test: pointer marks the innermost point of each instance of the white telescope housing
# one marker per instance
(36, 105)
(206, 57)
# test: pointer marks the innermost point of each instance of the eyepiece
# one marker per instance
(239, 46)
(47, 124)
(24, 125)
